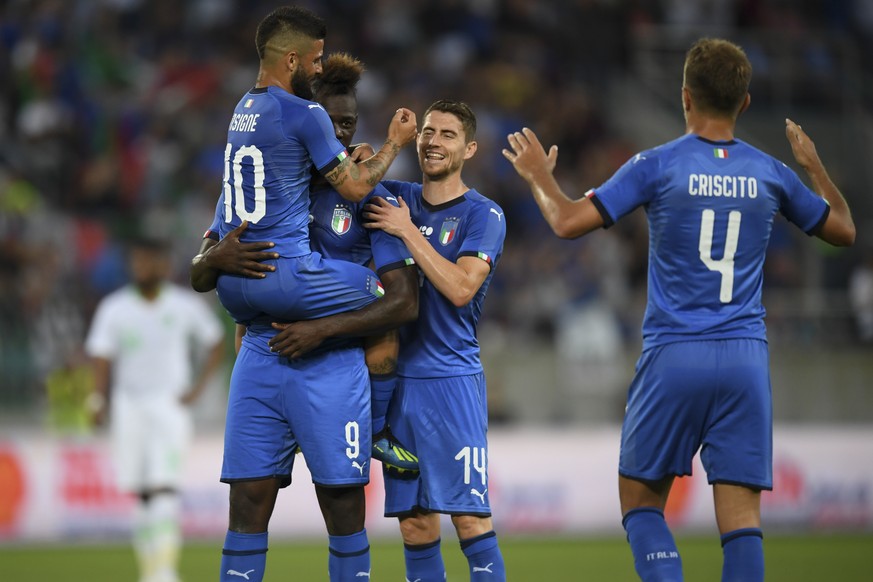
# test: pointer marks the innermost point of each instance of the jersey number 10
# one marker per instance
(725, 265)
(234, 196)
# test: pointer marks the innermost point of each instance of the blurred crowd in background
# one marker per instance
(114, 117)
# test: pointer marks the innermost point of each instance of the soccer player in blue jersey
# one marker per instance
(440, 409)
(275, 136)
(702, 381)
(337, 232)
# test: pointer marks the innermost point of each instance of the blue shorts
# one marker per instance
(443, 421)
(303, 287)
(321, 403)
(708, 395)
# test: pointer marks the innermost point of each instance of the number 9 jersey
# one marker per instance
(710, 208)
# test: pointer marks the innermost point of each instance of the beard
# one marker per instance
(301, 84)
(442, 173)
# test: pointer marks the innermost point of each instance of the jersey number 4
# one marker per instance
(234, 194)
(725, 265)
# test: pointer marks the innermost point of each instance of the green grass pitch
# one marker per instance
(847, 558)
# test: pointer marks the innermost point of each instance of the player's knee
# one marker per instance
(471, 526)
(418, 528)
(343, 509)
(251, 504)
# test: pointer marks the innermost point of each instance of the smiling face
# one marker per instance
(343, 112)
(442, 146)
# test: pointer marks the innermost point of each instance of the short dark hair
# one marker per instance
(340, 75)
(717, 73)
(460, 110)
(290, 22)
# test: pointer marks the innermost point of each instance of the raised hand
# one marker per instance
(528, 156)
(802, 147)
(403, 128)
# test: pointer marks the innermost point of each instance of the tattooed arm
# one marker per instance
(354, 181)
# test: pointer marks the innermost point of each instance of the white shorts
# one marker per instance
(150, 437)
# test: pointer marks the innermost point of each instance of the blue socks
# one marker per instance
(349, 557)
(244, 557)
(381, 390)
(656, 557)
(743, 555)
(424, 563)
(484, 557)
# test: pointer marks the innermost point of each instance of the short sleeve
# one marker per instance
(799, 204)
(317, 135)
(633, 185)
(485, 233)
(389, 252)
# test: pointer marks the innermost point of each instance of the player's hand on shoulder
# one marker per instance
(235, 257)
(802, 146)
(527, 155)
(380, 213)
(295, 340)
(403, 128)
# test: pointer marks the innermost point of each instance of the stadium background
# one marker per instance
(113, 117)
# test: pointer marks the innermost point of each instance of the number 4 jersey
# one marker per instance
(273, 140)
(710, 208)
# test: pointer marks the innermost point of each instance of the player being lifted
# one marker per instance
(276, 135)
(702, 381)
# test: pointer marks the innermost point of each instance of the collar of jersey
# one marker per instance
(712, 142)
(448, 204)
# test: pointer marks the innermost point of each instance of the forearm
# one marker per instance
(355, 180)
(555, 206)
(451, 280)
(398, 307)
(824, 187)
(203, 277)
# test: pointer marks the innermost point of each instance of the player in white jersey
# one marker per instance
(141, 341)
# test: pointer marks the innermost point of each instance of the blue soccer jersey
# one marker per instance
(710, 208)
(442, 342)
(273, 140)
(337, 232)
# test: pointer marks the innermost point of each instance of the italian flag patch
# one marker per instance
(720, 153)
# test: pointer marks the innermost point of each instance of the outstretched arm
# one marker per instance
(568, 218)
(397, 307)
(355, 180)
(839, 228)
(229, 255)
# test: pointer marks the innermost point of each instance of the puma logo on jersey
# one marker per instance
(499, 214)
(315, 106)
(358, 466)
(479, 495)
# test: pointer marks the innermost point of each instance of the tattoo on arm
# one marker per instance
(375, 167)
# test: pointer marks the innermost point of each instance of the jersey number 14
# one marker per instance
(724, 265)
(234, 195)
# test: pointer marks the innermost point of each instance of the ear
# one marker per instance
(470, 150)
(746, 102)
(686, 99)
(291, 61)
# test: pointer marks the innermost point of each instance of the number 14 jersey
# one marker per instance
(710, 208)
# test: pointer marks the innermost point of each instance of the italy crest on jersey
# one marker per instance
(447, 232)
(342, 220)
